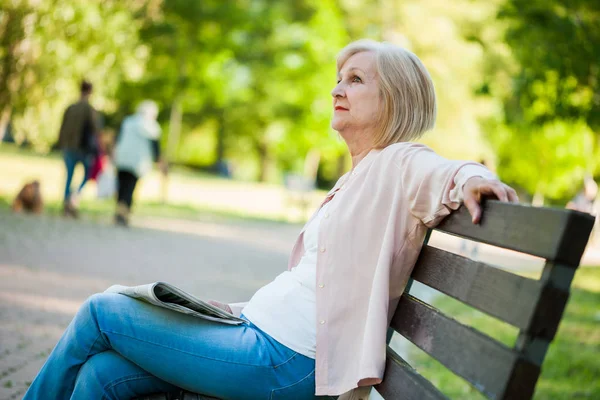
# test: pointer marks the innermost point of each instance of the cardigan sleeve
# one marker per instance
(431, 184)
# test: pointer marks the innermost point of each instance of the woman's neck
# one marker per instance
(358, 155)
(359, 145)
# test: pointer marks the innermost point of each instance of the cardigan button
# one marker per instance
(326, 215)
(321, 285)
(322, 249)
(322, 321)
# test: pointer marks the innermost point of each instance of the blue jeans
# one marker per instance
(71, 158)
(117, 347)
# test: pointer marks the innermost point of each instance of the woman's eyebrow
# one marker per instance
(351, 70)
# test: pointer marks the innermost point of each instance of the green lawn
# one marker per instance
(189, 193)
(572, 366)
(102, 211)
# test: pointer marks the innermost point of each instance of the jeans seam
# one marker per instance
(187, 352)
(93, 344)
(286, 361)
(290, 385)
(123, 379)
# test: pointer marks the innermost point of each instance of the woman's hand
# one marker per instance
(220, 305)
(477, 187)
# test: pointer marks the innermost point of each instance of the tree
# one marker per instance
(49, 46)
(250, 73)
(553, 110)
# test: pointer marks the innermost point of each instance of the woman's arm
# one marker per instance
(434, 185)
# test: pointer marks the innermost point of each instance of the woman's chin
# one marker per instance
(337, 125)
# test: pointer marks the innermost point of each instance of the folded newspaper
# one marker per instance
(168, 296)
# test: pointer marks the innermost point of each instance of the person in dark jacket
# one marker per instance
(78, 142)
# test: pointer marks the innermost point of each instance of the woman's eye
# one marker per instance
(356, 79)
(338, 81)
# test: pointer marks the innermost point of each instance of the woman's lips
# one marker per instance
(338, 108)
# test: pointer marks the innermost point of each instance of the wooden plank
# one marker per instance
(501, 294)
(522, 383)
(533, 341)
(554, 234)
(548, 313)
(401, 381)
(480, 360)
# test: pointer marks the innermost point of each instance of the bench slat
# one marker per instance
(554, 234)
(501, 294)
(483, 362)
(401, 381)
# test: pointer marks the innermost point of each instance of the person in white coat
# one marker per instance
(136, 150)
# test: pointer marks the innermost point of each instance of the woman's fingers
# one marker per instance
(512, 194)
(495, 188)
(473, 206)
(475, 189)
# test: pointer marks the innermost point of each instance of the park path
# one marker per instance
(49, 265)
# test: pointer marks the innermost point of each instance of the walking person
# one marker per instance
(78, 140)
(319, 328)
(136, 150)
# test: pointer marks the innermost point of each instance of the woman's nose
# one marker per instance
(338, 90)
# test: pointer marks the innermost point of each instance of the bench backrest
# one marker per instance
(535, 307)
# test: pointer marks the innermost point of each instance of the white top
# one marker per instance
(133, 152)
(286, 308)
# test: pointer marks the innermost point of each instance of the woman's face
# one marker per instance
(356, 99)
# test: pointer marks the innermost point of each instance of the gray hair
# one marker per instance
(406, 89)
(148, 108)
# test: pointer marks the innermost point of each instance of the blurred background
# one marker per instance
(243, 88)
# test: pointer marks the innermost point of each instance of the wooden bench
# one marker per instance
(535, 307)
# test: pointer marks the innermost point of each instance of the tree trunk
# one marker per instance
(538, 198)
(263, 157)
(172, 144)
(174, 128)
(220, 138)
(12, 35)
(4, 118)
(311, 164)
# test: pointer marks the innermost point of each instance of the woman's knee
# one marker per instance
(102, 303)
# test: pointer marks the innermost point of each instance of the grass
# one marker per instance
(103, 211)
(571, 369)
(189, 193)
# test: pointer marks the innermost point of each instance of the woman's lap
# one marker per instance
(201, 356)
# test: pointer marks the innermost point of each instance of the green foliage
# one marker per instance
(51, 46)
(552, 158)
(557, 44)
(251, 70)
(248, 81)
(549, 136)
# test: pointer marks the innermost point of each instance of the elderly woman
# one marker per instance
(137, 148)
(319, 329)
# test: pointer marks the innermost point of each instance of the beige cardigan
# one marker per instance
(368, 245)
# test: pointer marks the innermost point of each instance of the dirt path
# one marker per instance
(48, 266)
